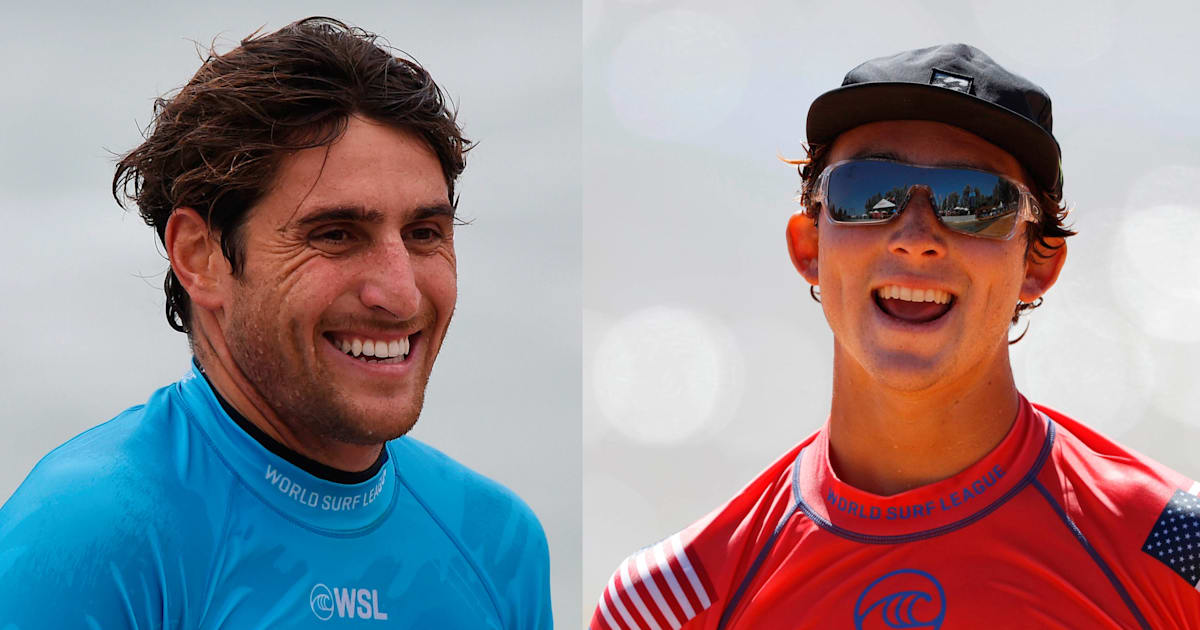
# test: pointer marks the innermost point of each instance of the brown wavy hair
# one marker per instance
(1052, 224)
(215, 144)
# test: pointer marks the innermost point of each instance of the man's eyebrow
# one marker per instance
(341, 213)
(360, 214)
(436, 210)
(895, 157)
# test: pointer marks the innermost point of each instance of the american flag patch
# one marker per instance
(659, 587)
(1175, 539)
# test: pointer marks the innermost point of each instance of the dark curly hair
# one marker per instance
(216, 144)
(1053, 213)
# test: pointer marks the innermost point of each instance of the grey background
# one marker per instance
(704, 357)
(84, 335)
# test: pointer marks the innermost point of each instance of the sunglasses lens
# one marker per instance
(967, 201)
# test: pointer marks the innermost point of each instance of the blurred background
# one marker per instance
(85, 336)
(704, 357)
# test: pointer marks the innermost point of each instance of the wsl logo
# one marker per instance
(350, 603)
(321, 601)
(907, 598)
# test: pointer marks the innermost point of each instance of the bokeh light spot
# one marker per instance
(663, 374)
(1155, 262)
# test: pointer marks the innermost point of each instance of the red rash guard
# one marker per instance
(1057, 527)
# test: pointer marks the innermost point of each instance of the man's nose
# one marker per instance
(389, 280)
(916, 231)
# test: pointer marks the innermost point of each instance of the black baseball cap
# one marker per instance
(955, 84)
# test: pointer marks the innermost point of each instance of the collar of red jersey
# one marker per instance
(930, 510)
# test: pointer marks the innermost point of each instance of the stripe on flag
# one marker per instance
(631, 591)
(602, 610)
(693, 577)
(613, 595)
(655, 594)
(678, 597)
(661, 587)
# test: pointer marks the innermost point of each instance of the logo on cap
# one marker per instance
(951, 81)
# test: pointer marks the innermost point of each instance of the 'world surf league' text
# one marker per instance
(957, 498)
(326, 502)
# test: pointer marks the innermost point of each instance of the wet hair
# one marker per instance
(1051, 225)
(216, 144)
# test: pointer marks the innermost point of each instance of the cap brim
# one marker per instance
(844, 108)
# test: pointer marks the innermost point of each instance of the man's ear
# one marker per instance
(802, 239)
(1042, 266)
(196, 258)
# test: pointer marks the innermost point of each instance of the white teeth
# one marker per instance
(908, 294)
(374, 348)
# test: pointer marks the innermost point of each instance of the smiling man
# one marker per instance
(302, 186)
(936, 496)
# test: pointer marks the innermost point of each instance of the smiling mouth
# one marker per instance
(375, 350)
(915, 306)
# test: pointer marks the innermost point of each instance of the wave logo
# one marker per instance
(321, 600)
(906, 598)
(361, 603)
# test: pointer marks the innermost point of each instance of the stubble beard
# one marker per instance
(301, 396)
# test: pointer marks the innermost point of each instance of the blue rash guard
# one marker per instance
(173, 516)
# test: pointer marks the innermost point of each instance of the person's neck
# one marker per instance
(886, 441)
(208, 345)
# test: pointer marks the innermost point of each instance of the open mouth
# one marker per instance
(915, 306)
(393, 350)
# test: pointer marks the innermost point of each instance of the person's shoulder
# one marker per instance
(133, 469)
(95, 518)
(122, 461)
(1100, 465)
(457, 492)
(96, 463)
(1141, 518)
(698, 563)
(495, 529)
(750, 514)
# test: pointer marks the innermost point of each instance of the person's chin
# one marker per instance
(907, 373)
(375, 423)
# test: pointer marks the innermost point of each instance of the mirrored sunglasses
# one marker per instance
(968, 201)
